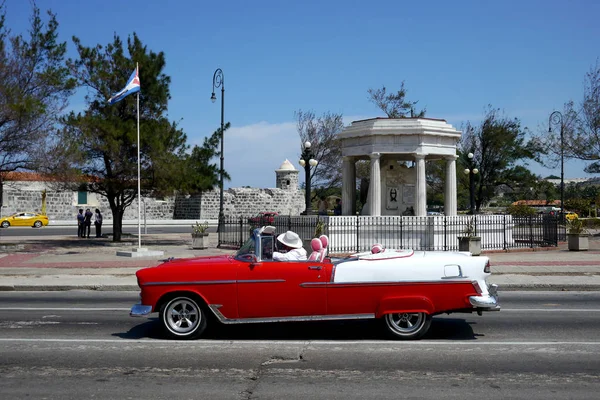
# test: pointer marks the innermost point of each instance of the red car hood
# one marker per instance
(187, 268)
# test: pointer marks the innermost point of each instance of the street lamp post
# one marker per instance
(219, 81)
(471, 172)
(557, 118)
(307, 161)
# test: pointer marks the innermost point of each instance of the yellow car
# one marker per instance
(24, 219)
(570, 216)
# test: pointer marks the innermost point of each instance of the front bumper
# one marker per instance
(487, 302)
(140, 310)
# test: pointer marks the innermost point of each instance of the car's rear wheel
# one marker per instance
(407, 325)
(37, 224)
(183, 318)
(5, 224)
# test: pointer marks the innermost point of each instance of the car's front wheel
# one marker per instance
(183, 318)
(37, 224)
(5, 224)
(407, 325)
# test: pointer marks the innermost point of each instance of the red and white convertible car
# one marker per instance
(405, 288)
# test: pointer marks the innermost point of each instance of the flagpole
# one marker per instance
(138, 168)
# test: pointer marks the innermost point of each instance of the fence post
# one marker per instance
(504, 243)
(241, 231)
(445, 233)
(531, 231)
(357, 238)
(401, 232)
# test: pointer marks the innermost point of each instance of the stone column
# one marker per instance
(450, 188)
(348, 186)
(375, 186)
(421, 187)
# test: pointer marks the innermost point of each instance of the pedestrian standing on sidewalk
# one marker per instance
(88, 222)
(80, 223)
(98, 223)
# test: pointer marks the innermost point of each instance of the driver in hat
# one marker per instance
(290, 248)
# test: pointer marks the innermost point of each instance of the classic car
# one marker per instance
(24, 219)
(263, 218)
(404, 288)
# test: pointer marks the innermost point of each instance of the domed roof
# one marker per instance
(286, 166)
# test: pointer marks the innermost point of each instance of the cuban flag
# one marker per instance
(133, 85)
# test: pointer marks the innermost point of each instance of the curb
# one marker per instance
(64, 288)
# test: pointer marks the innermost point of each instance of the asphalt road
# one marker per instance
(73, 345)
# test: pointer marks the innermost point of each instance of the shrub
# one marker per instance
(521, 210)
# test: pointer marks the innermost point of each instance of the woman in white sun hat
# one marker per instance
(290, 247)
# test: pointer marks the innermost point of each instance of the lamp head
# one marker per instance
(467, 170)
(313, 162)
(307, 145)
(475, 171)
(302, 163)
(213, 98)
(470, 155)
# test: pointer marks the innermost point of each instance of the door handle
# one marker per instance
(315, 267)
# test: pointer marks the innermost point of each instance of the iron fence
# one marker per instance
(348, 234)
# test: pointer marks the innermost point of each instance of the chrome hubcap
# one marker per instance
(405, 322)
(183, 316)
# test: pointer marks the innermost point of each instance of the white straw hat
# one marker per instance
(290, 239)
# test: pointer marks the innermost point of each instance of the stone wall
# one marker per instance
(27, 196)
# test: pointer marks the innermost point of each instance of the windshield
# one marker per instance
(248, 248)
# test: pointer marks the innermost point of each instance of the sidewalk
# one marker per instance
(69, 263)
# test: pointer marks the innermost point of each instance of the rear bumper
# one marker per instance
(487, 302)
(140, 310)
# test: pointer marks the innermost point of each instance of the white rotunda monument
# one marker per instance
(395, 188)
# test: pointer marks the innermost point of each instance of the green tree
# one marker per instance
(35, 85)
(394, 105)
(100, 143)
(497, 144)
(200, 174)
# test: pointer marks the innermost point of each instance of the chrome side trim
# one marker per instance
(140, 310)
(228, 282)
(215, 309)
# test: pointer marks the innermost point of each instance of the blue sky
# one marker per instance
(526, 57)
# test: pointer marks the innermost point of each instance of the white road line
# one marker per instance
(62, 309)
(252, 343)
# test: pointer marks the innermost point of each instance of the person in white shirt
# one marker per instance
(291, 244)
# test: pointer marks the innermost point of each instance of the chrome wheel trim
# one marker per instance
(182, 316)
(405, 323)
(37, 224)
(5, 224)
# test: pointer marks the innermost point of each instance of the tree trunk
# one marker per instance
(117, 223)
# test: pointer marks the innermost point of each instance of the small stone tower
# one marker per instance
(286, 177)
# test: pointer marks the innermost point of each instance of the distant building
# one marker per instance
(27, 191)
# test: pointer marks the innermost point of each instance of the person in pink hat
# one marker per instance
(290, 248)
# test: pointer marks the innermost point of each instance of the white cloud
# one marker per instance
(253, 152)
